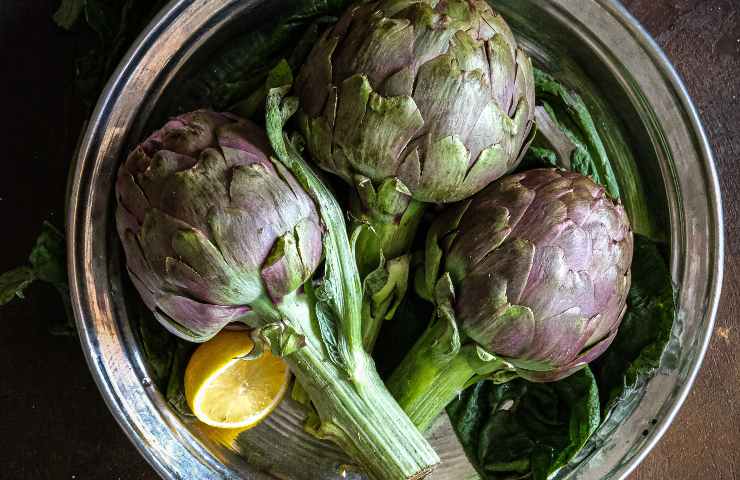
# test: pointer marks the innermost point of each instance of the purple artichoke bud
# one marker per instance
(210, 224)
(536, 269)
(541, 265)
(434, 93)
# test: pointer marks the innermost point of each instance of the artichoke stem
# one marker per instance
(357, 412)
(427, 380)
(362, 418)
(390, 235)
(371, 325)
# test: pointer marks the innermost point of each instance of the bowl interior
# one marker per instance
(591, 45)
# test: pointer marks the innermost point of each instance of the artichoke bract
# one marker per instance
(414, 101)
(215, 231)
(530, 278)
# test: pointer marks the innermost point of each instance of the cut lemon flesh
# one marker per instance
(225, 391)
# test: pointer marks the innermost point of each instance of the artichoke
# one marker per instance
(209, 224)
(535, 272)
(414, 101)
(215, 231)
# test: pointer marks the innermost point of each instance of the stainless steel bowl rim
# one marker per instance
(183, 458)
(629, 21)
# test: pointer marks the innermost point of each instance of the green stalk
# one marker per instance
(320, 336)
(390, 234)
(432, 373)
(423, 387)
(388, 219)
(361, 416)
(356, 410)
(438, 368)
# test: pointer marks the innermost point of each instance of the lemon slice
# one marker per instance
(227, 392)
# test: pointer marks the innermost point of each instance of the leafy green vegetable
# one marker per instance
(239, 69)
(640, 346)
(525, 430)
(48, 257)
(47, 263)
(175, 392)
(564, 112)
(109, 28)
(567, 137)
(636, 352)
(14, 282)
(582, 134)
(167, 357)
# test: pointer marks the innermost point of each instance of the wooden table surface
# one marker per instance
(53, 422)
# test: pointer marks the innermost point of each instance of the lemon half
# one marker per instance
(227, 392)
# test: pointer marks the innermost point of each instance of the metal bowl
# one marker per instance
(621, 63)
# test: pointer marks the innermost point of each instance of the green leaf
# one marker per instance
(577, 123)
(328, 328)
(442, 230)
(14, 282)
(326, 324)
(48, 263)
(640, 347)
(48, 257)
(525, 430)
(282, 339)
(158, 346)
(175, 392)
(591, 140)
(384, 289)
(241, 67)
(68, 13)
(635, 355)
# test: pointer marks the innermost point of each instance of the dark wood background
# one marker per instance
(53, 422)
